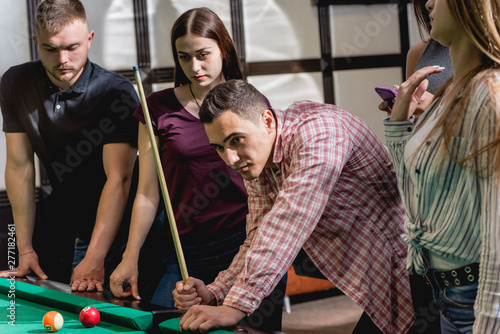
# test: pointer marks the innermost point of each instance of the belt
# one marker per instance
(441, 279)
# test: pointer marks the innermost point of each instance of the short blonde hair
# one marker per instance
(53, 15)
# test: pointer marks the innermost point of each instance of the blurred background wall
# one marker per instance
(323, 50)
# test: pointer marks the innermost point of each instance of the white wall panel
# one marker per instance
(413, 26)
(360, 30)
(114, 45)
(354, 91)
(162, 86)
(15, 40)
(280, 30)
(284, 89)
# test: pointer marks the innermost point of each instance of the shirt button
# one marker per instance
(417, 171)
(409, 129)
(428, 142)
(58, 107)
(255, 303)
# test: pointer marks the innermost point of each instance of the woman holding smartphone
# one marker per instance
(448, 167)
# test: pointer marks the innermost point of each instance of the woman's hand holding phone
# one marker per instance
(388, 95)
(413, 96)
(410, 93)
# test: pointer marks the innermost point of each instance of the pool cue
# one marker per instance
(161, 178)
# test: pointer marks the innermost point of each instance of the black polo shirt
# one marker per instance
(68, 129)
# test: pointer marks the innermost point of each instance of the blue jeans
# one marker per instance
(80, 250)
(203, 261)
(456, 305)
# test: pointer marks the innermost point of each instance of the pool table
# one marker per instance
(24, 301)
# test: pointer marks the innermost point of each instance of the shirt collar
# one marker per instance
(79, 86)
(278, 152)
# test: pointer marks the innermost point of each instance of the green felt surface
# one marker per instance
(72, 304)
(26, 317)
(172, 326)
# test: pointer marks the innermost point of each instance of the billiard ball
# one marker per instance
(52, 321)
(89, 316)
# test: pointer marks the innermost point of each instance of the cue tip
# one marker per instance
(135, 68)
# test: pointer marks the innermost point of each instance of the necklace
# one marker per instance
(194, 97)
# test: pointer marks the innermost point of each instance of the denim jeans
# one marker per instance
(203, 261)
(81, 247)
(456, 305)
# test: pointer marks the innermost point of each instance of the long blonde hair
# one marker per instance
(476, 19)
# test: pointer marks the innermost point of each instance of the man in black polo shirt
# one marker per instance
(77, 118)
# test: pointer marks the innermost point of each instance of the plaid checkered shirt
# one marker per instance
(335, 195)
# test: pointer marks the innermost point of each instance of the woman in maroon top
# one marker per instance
(209, 199)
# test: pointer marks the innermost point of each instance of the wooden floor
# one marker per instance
(332, 315)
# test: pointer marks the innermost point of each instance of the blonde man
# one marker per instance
(77, 118)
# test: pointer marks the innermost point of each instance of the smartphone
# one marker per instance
(387, 94)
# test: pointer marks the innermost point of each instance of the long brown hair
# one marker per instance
(476, 19)
(422, 17)
(205, 23)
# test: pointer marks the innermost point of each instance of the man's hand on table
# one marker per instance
(28, 263)
(87, 276)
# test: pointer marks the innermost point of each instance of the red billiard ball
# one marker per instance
(89, 316)
(52, 321)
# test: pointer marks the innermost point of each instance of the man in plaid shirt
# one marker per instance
(318, 179)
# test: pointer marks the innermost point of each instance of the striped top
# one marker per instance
(334, 195)
(457, 214)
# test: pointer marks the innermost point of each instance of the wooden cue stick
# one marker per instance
(161, 178)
